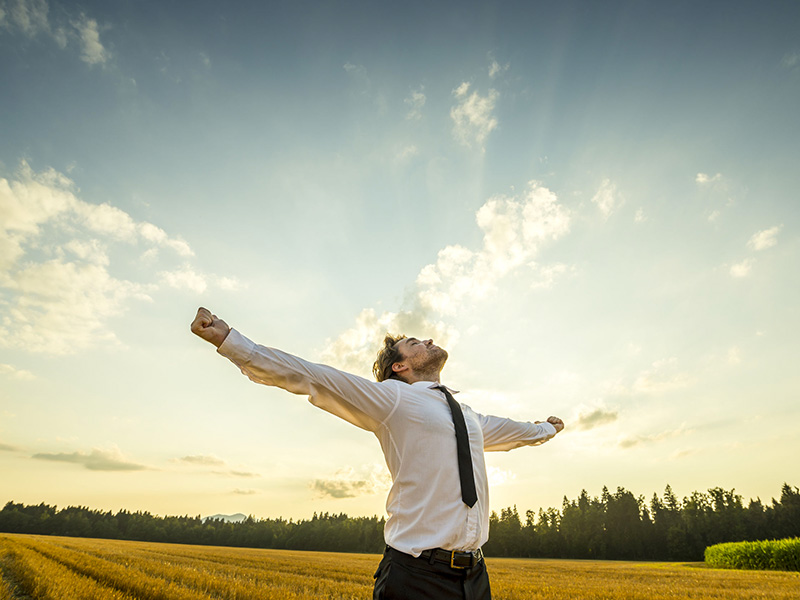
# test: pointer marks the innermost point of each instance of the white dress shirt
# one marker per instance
(414, 426)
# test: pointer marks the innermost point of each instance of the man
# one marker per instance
(438, 505)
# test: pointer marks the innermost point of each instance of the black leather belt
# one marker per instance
(457, 559)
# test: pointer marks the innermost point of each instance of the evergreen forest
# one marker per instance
(615, 525)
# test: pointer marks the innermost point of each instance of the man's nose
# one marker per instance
(428, 342)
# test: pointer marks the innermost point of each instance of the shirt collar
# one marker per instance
(431, 385)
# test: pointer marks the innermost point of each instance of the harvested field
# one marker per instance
(57, 568)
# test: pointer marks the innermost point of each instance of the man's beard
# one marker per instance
(432, 362)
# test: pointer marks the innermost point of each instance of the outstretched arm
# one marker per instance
(501, 434)
(363, 403)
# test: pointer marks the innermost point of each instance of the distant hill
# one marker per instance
(237, 518)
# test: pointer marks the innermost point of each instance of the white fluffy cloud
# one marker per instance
(764, 239)
(742, 269)
(92, 52)
(514, 230)
(705, 178)
(472, 116)
(56, 272)
(184, 278)
(12, 371)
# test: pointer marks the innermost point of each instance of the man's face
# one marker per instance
(423, 356)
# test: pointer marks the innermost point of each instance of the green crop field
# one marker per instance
(56, 568)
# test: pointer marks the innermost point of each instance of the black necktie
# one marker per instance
(468, 493)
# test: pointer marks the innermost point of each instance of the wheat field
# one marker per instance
(57, 568)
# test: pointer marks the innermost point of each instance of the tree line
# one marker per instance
(614, 525)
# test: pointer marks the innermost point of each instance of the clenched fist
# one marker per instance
(209, 327)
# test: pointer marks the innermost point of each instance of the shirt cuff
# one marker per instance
(549, 428)
(236, 347)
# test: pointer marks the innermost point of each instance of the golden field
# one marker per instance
(57, 568)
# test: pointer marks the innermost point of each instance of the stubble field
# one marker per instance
(54, 568)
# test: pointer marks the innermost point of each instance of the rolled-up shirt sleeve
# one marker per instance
(364, 403)
(501, 434)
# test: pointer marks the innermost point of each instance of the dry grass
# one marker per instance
(45, 568)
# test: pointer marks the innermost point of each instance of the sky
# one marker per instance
(593, 206)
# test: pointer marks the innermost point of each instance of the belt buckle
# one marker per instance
(474, 558)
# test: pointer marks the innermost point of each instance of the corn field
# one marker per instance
(54, 568)
(782, 555)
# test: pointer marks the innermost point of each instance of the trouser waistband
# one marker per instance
(455, 559)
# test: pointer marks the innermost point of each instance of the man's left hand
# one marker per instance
(556, 422)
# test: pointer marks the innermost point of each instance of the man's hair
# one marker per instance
(387, 356)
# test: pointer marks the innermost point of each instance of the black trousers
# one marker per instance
(402, 577)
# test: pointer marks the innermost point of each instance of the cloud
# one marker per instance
(354, 350)
(201, 459)
(546, 275)
(704, 178)
(589, 417)
(11, 371)
(734, 355)
(56, 268)
(407, 152)
(415, 102)
(472, 116)
(96, 460)
(639, 217)
(791, 60)
(32, 19)
(93, 52)
(661, 376)
(514, 229)
(764, 239)
(239, 492)
(7, 448)
(498, 476)
(209, 460)
(640, 440)
(229, 284)
(742, 269)
(184, 278)
(349, 482)
(29, 16)
(232, 473)
(496, 69)
(357, 69)
(607, 198)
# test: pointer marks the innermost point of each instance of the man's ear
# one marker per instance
(399, 367)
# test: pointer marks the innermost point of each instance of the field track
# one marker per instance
(57, 568)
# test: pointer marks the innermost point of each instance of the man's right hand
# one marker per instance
(209, 327)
